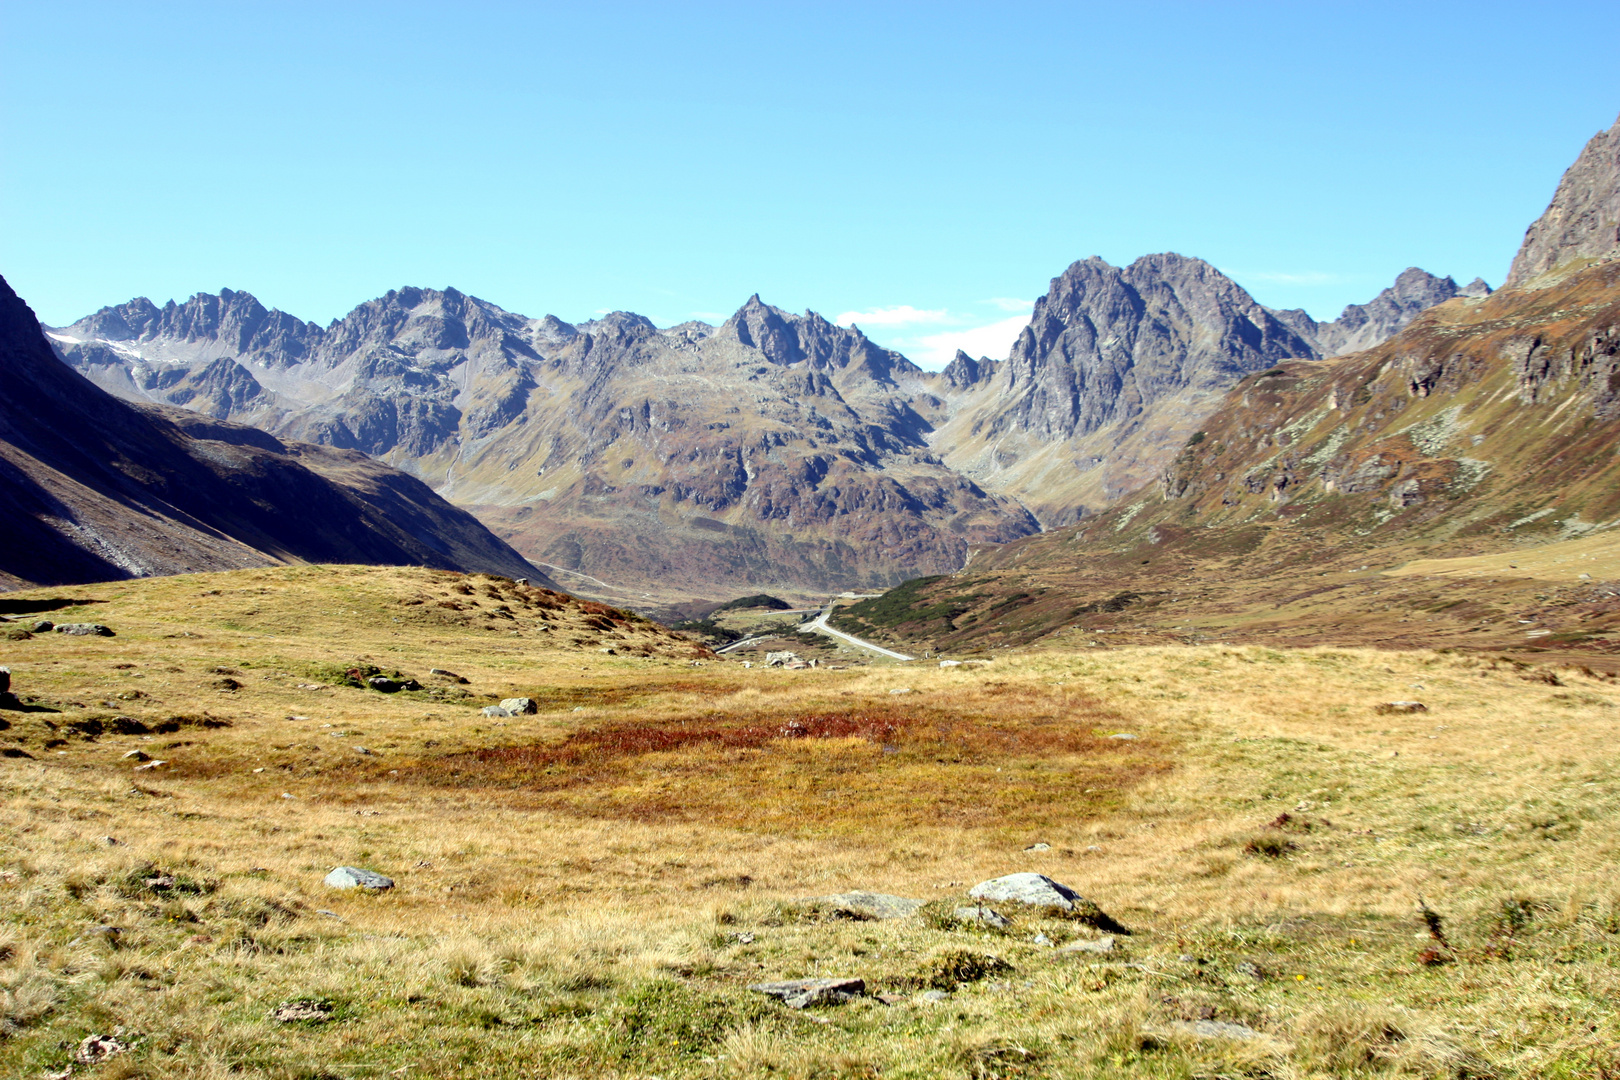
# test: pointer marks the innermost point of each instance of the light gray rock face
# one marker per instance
(1105, 341)
(518, 706)
(1361, 326)
(804, 993)
(496, 711)
(1582, 223)
(83, 629)
(872, 905)
(353, 877)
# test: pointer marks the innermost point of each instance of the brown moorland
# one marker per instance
(589, 890)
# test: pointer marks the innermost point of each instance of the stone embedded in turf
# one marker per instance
(1216, 1029)
(983, 916)
(1040, 891)
(872, 905)
(496, 710)
(516, 706)
(83, 629)
(1101, 945)
(352, 877)
(803, 993)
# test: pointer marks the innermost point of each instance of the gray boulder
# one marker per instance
(84, 629)
(872, 905)
(44, 626)
(518, 706)
(1040, 891)
(496, 710)
(352, 877)
(803, 993)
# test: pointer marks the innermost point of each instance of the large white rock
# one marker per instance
(352, 877)
(1037, 890)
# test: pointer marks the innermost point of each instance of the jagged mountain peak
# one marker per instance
(1581, 225)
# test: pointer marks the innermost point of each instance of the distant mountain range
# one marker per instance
(775, 451)
(93, 488)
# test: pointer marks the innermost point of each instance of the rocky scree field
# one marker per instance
(1316, 882)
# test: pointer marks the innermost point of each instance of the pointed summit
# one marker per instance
(1582, 223)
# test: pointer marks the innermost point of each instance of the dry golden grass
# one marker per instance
(588, 891)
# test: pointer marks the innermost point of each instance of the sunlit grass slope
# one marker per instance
(588, 891)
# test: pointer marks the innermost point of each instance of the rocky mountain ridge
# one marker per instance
(97, 489)
(775, 450)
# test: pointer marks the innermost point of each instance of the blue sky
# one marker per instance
(923, 169)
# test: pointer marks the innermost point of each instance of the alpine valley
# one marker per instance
(775, 451)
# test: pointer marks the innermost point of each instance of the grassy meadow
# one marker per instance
(590, 890)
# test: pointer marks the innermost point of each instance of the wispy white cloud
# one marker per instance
(994, 340)
(903, 315)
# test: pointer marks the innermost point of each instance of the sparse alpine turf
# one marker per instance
(1313, 888)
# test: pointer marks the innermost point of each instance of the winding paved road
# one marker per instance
(819, 625)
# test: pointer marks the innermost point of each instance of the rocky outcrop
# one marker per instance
(1581, 225)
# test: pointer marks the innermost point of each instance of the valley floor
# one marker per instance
(590, 890)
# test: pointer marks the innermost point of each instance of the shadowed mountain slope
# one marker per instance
(95, 488)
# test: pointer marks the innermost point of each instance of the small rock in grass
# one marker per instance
(98, 1048)
(982, 915)
(353, 877)
(445, 674)
(136, 755)
(1040, 891)
(1039, 846)
(151, 765)
(496, 711)
(362, 750)
(307, 1010)
(1252, 970)
(384, 684)
(44, 626)
(1395, 708)
(1216, 1029)
(1122, 735)
(901, 690)
(1101, 945)
(84, 629)
(950, 663)
(872, 905)
(804, 993)
(516, 706)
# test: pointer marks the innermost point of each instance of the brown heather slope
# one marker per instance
(1488, 425)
